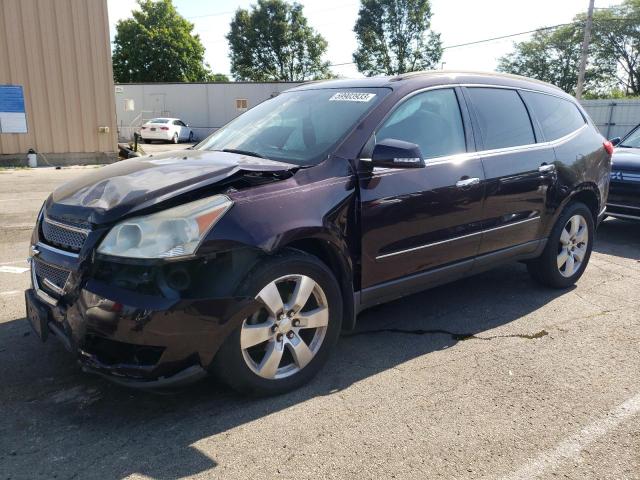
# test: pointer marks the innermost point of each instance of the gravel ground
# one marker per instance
(489, 377)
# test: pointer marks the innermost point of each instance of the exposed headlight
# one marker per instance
(175, 232)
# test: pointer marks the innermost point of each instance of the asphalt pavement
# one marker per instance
(491, 377)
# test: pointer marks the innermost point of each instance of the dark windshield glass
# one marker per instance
(632, 141)
(300, 127)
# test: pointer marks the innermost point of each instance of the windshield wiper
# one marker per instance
(242, 152)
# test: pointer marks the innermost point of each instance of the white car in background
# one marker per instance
(167, 129)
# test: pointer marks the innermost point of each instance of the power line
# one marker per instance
(502, 37)
(476, 42)
(506, 36)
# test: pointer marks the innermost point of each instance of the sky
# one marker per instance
(458, 21)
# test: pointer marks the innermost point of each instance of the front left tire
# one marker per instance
(284, 344)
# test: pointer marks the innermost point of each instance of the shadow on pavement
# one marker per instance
(58, 422)
(620, 238)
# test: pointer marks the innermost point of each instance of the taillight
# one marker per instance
(143, 128)
(608, 146)
(164, 128)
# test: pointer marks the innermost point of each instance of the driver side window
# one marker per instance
(431, 120)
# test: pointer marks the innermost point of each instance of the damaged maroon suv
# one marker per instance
(247, 255)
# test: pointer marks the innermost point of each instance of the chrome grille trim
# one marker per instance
(75, 226)
(49, 278)
(39, 292)
(63, 235)
(56, 250)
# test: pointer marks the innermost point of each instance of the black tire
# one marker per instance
(545, 269)
(230, 365)
(175, 140)
(190, 137)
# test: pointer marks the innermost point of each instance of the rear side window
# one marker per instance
(431, 120)
(557, 117)
(503, 119)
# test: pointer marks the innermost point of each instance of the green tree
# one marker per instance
(553, 56)
(273, 42)
(616, 38)
(218, 77)
(157, 45)
(393, 37)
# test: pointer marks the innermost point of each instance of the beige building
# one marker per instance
(56, 82)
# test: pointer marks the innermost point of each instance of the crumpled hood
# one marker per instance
(110, 192)
(626, 159)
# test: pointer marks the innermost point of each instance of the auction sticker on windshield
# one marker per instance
(352, 97)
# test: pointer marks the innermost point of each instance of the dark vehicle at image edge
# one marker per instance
(624, 192)
(248, 255)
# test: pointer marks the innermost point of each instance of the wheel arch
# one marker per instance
(332, 257)
(589, 194)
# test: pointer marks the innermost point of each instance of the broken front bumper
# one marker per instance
(141, 340)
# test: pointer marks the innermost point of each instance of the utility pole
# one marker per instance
(585, 50)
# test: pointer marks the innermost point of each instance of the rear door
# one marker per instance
(414, 220)
(519, 172)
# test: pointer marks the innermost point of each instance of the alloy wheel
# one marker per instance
(285, 335)
(574, 242)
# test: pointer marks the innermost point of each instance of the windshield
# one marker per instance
(299, 127)
(632, 141)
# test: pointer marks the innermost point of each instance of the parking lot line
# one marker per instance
(572, 446)
(14, 262)
(9, 293)
(10, 269)
(18, 200)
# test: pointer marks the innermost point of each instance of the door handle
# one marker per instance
(547, 168)
(467, 182)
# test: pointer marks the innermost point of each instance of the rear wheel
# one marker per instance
(285, 343)
(175, 138)
(568, 249)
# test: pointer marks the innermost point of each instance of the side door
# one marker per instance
(519, 171)
(416, 220)
(177, 126)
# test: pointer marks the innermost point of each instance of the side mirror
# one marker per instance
(615, 141)
(391, 153)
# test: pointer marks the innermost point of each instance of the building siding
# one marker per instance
(204, 106)
(59, 52)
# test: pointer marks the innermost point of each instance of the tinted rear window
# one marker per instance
(503, 118)
(158, 120)
(557, 117)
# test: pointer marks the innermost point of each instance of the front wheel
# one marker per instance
(568, 249)
(285, 343)
(190, 137)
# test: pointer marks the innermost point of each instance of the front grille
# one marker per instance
(68, 236)
(53, 275)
